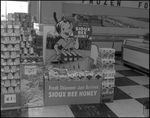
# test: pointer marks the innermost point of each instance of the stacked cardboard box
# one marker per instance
(10, 56)
(28, 48)
(105, 62)
(10, 64)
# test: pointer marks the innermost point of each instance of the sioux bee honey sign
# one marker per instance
(77, 92)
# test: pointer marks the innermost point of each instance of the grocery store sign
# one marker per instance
(72, 92)
(117, 3)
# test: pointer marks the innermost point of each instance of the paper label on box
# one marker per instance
(11, 98)
(30, 70)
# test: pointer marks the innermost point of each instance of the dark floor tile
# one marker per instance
(147, 86)
(129, 73)
(119, 94)
(116, 63)
(142, 100)
(117, 58)
(15, 113)
(92, 110)
(10, 113)
(124, 81)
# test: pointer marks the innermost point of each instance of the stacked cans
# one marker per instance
(10, 57)
(105, 61)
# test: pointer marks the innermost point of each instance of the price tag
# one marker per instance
(30, 70)
(11, 98)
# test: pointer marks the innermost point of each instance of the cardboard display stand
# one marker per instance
(78, 92)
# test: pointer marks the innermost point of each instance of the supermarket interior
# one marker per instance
(75, 58)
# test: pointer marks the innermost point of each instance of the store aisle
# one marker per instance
(131, 91)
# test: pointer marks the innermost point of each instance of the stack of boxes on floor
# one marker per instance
(29, 53)
(10, 57)
(105, 61)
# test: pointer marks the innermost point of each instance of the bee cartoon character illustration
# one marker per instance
(67, 42)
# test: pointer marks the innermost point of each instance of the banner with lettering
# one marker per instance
(116, 3)
(72, 92)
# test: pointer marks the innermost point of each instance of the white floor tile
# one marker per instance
(51, 111)
(126, 108)
(143, 80)
(137, 91)
(121, 67)
(119, 75)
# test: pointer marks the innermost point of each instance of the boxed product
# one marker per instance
(4, 76)
(106, 53)
(9, 61)
(3, 31)
(110, 74)
(13, 83)
(3, 90)
(10, 75)
(11, 89)
(7, 83)
(72, 75)
(6, 69)
(107, 65)
(17, 89)
(6, 40)
(89, 75)
(16, 24)
(10, 47)
(11, 17)
(80, 75)
(16, 75)
(9, 24)
(3, 24)
(107, 90)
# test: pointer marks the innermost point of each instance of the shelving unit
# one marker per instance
(10, 65)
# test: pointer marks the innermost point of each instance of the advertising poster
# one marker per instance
(32, 85)
(65, 44)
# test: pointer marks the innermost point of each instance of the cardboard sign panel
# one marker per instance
(72, 92)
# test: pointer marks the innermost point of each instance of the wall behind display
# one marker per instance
(48, 8)
(34, 9)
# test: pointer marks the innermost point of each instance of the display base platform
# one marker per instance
(72, 92)
(32, 86)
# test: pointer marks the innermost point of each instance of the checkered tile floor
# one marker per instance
(131, 91)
